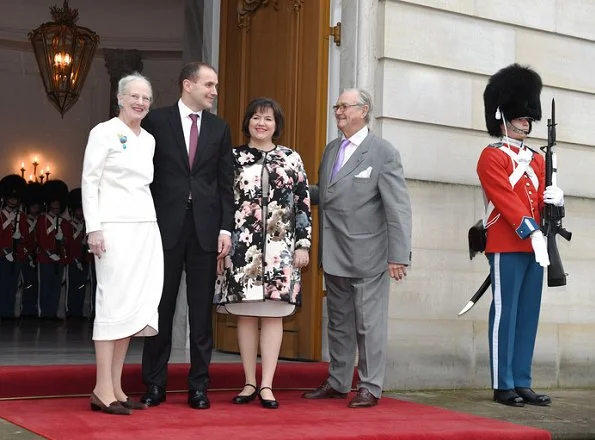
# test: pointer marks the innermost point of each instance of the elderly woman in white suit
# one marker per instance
(124, 237)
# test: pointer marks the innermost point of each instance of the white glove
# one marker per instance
(9, 257)
(54, 257)
(540, 248)
(553, 196)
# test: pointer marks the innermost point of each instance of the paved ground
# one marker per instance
(571, 416)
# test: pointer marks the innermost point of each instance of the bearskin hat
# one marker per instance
(33, 194)
(12, 186)
(55, 190)
(75, 199)
(514, 91)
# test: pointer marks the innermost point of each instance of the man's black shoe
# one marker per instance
(532, 398)
(154, 395)
(198, 399)
(508, 397)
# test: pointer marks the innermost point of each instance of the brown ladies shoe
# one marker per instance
(113, 408)
(133, 404)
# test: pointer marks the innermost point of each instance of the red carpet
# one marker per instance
(296, 418)
(72, 380)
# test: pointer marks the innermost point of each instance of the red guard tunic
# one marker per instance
(516, 208)
(51, 250)
(30, 241)
(25, 244)
(8, 220)
(76, 235)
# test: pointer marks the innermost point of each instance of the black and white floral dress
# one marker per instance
(260, 278)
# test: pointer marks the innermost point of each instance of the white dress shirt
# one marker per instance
(185, 113)
(354, 142)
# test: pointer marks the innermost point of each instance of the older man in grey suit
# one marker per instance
(365, 230)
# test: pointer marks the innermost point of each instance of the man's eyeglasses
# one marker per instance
(136, 97)
(343, 107)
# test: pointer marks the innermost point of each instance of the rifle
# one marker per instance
(551, 218)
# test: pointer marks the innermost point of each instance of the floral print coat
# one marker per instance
(260, 264)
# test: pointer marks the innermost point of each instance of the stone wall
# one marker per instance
(433, 61)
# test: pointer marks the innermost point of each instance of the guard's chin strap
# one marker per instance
(518, 130)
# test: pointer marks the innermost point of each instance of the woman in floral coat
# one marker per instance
(261, 279)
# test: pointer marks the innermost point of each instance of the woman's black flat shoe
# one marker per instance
(269, 404)
(239, 399)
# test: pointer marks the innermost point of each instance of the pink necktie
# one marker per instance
(193, 141)
(340, 158)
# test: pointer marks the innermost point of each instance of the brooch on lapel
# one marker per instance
(123, 140)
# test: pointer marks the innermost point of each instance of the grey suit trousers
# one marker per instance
(357, 317)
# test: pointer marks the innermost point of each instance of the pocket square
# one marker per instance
(365, 174)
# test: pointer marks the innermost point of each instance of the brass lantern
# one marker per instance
(64, 54)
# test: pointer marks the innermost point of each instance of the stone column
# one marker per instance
(119, 63)
(359, 60)
(201, 31)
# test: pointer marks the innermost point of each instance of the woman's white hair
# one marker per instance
(126, 80)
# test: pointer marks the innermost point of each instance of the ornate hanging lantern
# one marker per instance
(64, 54)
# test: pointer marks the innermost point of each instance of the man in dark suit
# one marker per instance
(193, 193)
(365, 238)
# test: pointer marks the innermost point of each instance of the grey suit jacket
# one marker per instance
(365, 222)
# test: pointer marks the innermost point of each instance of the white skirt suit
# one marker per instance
(117, 172)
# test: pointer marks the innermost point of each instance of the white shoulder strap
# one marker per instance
(519, 169)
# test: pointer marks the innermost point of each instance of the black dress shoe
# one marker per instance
(154, 395)
(239, 399)
(198, 399)
(267, 403)
(508, 397)
(532, 398)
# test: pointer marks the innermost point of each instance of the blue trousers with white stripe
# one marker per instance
(517, 282)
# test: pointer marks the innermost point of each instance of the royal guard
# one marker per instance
(32, 205)
(78, 257)
(12, 230)
(512, 177)
(52, 254)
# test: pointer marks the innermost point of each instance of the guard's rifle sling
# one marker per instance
(551, 219)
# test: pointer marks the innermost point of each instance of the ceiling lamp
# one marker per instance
(64, 53)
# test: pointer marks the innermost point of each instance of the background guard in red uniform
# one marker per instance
(12, 229)
(51, 254)
(32, 207)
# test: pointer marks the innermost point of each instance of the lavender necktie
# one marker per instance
(193, 141)
(340, 158)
